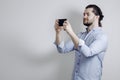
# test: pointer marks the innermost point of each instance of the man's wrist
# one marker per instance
(70, 32)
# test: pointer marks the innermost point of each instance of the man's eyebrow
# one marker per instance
(86, 13)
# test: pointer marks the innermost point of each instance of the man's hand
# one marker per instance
(67, 27)
(57, 27)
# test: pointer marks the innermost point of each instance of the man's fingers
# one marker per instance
(56, 21)
(65, 24)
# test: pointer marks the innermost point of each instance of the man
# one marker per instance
(89, 46)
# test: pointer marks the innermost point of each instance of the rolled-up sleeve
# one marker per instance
(97, 46)
(65, 47)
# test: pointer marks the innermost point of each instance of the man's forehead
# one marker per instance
(88, 10)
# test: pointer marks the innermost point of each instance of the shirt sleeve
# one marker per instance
(97, 46)
(65, 47)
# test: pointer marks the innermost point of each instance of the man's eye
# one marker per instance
(87, 14)
(84, 14)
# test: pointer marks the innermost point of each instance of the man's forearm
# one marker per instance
(57, 40)
(74, 38)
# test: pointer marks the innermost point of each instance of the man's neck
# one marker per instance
(92, 26)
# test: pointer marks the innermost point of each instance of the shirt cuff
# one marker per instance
(61, 45)
(81, 42)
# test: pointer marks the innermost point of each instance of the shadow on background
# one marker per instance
(17, 60)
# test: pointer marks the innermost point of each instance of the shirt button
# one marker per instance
(76, 71)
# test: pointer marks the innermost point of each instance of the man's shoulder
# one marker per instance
(100, 34)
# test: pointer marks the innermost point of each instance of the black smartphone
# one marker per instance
(61, 21)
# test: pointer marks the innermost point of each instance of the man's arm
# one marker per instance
(97, 46)
(57, 30)
(73, 36)
(62, 48)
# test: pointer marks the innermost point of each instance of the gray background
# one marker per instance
(27, 34)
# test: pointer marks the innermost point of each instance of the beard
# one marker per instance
(87, 24)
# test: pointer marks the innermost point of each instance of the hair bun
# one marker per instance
(101, 17)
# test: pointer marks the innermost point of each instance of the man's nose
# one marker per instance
(85, 16)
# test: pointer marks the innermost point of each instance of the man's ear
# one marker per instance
(98, 17)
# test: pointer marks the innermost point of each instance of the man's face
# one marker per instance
(88, 17)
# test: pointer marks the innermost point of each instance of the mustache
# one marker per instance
(85, 19)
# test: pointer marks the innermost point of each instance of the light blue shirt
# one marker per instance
(89, 56)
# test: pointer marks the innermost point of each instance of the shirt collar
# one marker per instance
(94, 29)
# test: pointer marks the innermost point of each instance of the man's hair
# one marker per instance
(97, 11)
